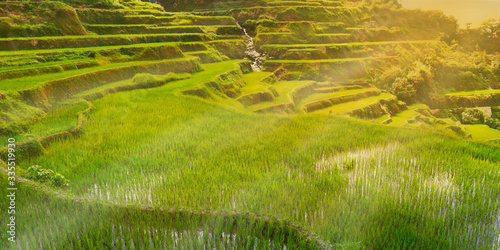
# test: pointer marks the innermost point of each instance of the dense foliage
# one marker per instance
(46, 176)
(421, 72)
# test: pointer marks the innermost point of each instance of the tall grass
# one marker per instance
(155, 148)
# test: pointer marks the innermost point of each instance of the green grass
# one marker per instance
(156, 169)
(61, 118)
(91, 36)
(400, 118)
(333, 34)
(48, 51)
(29, 81)
(253, 82)
(482, 132)
(18, 60)
(127, 82)
(153, 147)
(324, 96)
(9, 54)
(343, 44)
(476, 92)
(324, 60)
(283, 88)
(42, 64)
(344, 108)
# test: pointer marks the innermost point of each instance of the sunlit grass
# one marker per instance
(476, 92)
(254, 83)
(401, 117)
(160, 169)
(309, 45)
(284, 88)
(36, 65)
(93, 36)
(346, 107)
(481, 132)
(6, 54)
(29, 81)
(323, 96)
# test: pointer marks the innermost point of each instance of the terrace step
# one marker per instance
(247, 4)
(94, 41)
(292, 38)
(227, 7)
(367, 108)
(347, 107)
(319, 96)
(63, 88)
(206, 56)
(40, 70)
(320, 64)
(99, 16)
(332, 50)
(335, 98)
(302, 13)
(107, 16)
(106, 29)
(185, 47)
(18, 61)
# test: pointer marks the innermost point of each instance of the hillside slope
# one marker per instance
(246, 124)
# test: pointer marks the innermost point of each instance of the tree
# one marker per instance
(490, 35)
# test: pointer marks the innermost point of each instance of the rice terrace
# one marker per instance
(266, 124)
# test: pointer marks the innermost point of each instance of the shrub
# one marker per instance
(412, 85)
(473, 116)
(493, 123)
(46, 176)
(495, 112)
(145, 78)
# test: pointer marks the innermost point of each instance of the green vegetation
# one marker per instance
(349, 106)
(46, 176)
(368, 126)
(482, 132)
(29, 81)
(475, 92)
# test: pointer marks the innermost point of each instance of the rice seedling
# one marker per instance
(157, 168)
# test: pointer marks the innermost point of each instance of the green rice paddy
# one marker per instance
(349, 106)
(476, 92)
(323, 96)
(177, 161)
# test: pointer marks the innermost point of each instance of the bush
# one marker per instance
(493, 123)
(145, 78)
(495, 112)
(473, 116)
(46, 176)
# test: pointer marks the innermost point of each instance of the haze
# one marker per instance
(473, 11)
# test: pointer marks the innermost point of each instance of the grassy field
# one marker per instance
(213, 156)
(349, 106)
(15, 53)
(254, 83)
(42, 64)
(482, 132)
(347, 180)
(30, 81)
(283, 88)
(401, 118)
(476, 92)
(323, 96)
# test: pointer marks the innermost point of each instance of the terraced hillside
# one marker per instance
(133, 125)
